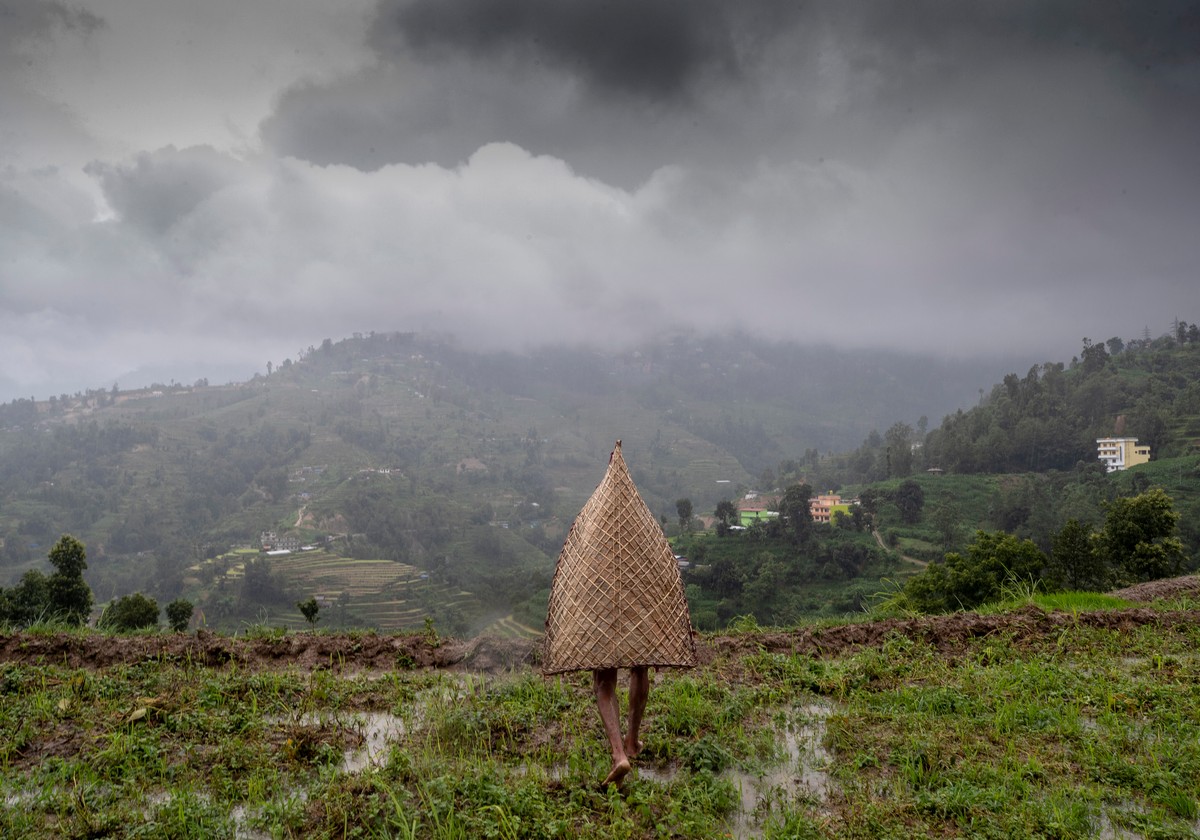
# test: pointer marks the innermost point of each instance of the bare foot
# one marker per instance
(633, 749)
(619, 771)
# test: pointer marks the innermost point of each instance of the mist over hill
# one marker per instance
(464, 467)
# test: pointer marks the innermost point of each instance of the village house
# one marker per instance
(755, 507)
(271, 542)
(824, 506)
(1121, 453)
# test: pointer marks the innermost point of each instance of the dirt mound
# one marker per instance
(946, 633)
(304, 650)
(1144, 593)
(352, 652)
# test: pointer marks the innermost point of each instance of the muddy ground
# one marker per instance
(484, 654)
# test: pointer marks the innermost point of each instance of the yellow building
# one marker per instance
(824, 506)
(1121, 453)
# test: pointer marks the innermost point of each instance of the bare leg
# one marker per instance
(605, 682)
(639, 690)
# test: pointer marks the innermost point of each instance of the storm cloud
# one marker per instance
(652, 50)
(230, 184)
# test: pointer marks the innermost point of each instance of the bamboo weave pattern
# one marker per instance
(617, 597)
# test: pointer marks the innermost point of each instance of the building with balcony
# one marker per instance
(1121, 453)
(824, 506)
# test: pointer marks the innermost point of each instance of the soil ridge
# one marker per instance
(342, 652)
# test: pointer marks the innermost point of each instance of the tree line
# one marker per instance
(64, 598)
(1137, 543)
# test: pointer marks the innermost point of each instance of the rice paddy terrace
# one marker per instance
(382, 594)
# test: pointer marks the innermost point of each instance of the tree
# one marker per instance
(1152, 428)
(1094, 357)
(1075, 563)
(179, 614)
(309, 610)
(899, 450)
(129, 612)
(946, 517)
(869, 500)
(69, 597)
(683, 507)
(965, 581)
(27, 602)
(726, 514)
(724, 578)
(1138, 539)
(68, 556)
(795, 511)
(909, 499)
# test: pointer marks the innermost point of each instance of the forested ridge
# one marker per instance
(1049, 418)
(464, 470)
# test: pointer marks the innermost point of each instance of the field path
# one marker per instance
(922, 563)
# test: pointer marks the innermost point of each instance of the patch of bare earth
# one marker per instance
(945, 633)
(491, 655)
(307, 651)
(1144, 593)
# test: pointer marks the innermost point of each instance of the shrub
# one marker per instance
(179, 614)
(130, 612)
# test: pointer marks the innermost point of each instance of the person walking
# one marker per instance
(617, 601)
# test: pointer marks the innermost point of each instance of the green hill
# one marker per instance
(410, 450)
(468, 468)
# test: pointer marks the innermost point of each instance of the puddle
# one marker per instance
(800, 775)
(239, 815)
(653, 774)
(379, 731)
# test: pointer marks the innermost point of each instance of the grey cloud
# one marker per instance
(652, 49)
(936, 175)
(23, 20)
(161, 188)
(618, 89)
(34, 127)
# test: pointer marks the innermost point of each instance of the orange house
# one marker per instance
(825, 505)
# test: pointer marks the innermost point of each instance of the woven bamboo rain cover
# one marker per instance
(617, 597)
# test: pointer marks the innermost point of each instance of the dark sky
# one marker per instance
(188, 189)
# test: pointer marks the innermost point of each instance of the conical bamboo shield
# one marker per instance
(617, 597)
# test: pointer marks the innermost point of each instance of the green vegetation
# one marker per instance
(179, 614)
(1068, 725)
(411, 479)
(1073, 602)
(129, 613)
(1137, 544)
(781, 569)
(63, 597)
(401, 448)
(966, 581)
(310, 609)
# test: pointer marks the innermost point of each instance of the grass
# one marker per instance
(1079, 601)
(1086, 731)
